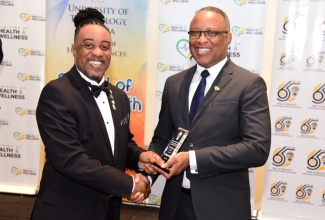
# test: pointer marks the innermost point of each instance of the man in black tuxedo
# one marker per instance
(87, 138)
(1, 53)
(228, 133)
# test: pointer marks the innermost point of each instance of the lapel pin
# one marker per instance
(216, 88)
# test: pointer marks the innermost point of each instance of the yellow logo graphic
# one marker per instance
(23, 77)
(162, 67)
(282, 124)
(319, 94)
(283, 156)
(25, 17)
(303, 192)
(165, 1)
(278, 189)
(316, 160)
(309, 126)
(288, 91)
(19, 136)
(16, 171)
(21, 111)
(238, 30)
(24, 52)
(240, 2)
(164, 28)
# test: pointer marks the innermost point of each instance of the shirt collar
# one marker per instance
(214, 70)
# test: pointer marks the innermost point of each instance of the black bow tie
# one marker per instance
(97, 89)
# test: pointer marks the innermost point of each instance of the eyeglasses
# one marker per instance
(207, 34)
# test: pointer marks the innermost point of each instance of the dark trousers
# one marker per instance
(185, 210)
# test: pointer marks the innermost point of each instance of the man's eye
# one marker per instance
(106, 47)
(88, 45)
(211, 33)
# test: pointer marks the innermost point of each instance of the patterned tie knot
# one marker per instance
(205, 73)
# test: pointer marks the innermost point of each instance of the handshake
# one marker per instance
(151, 163)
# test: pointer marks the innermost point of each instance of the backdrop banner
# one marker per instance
(295, 172)
(247, 20)
(22, 31)
(128, 24)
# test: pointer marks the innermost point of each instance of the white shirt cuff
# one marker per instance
(193, 163)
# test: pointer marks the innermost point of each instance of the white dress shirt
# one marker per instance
(214, 71)
(105, 110)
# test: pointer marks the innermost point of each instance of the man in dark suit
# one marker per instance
(229, 132)
(86, 135)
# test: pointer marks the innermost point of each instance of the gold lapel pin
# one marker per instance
(216, 88)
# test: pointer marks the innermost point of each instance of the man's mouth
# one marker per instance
(95, 63)
(202, 51)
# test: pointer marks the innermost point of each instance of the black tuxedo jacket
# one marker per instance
(81, 173)
(230, 133)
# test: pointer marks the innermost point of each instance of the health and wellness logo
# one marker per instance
(25, 52)
(164, 28)
(23, 171)
(24, 77)
(304, 193)
(283, 156)
(253, 2)
(309, 126)
(161, 67)
(288, 61)
(182, 47)
(238, 30)
(29, 17)
(278, 189)
(165, 1)
(240, 2)
(173, 28)
(314, 62)
(24, 111)
(316, 160)
(287, 93)
(21, 136)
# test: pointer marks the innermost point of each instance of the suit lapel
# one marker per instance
(184, 91)
(88, 97)
(219, 83)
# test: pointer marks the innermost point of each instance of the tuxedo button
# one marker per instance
(191, 144)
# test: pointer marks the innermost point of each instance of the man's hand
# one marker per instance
(147, 159)
(176, 165)
(141, 189)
